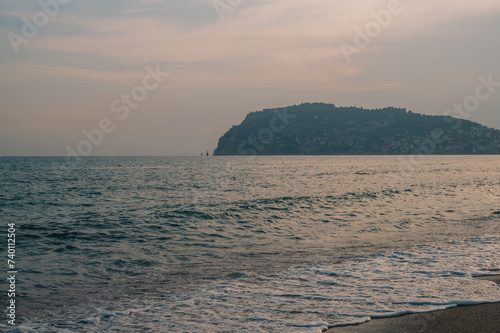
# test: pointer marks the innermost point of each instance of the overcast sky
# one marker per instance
(226, 59)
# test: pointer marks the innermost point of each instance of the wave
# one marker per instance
(315, 298)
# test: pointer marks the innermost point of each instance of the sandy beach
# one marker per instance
(484, 318)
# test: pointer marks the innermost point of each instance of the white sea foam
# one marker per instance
(315, 298)
(312, 299)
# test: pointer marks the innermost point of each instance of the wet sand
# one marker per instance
(484, 318)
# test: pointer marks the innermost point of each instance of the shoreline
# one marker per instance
(483, 318)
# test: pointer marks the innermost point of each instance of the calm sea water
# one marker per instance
(232, 244)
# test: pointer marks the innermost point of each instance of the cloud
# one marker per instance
(17, 72)
(264, 42)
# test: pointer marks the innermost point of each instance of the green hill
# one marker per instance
(324, 129)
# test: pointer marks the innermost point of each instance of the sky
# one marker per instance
(169, 77)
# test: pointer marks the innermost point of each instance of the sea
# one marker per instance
(245, 244)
